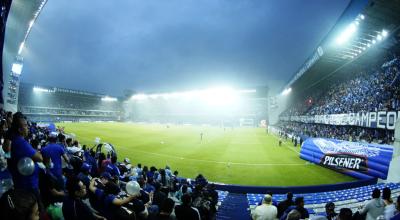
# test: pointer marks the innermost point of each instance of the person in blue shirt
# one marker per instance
(299, 206)
(108, 197)
(84, 175)
(73, 207)
(20, 148)
(54, 152)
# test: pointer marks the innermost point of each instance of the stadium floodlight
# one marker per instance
(248, 91)
(286, 91)
(139, 97)
(109, 99)
(346, 34)
(39, 89)
(21, 47)
(16, 68)
(362, 16)
(31, 23)
(368, 44)
(384, 33)
(379, 37)
(373, 41)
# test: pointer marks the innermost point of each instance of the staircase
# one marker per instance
(234, 207)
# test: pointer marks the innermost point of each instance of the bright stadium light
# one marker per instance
(384, 33)
(21, 47)
(373, 41)
(39, 89)
(139, 97)
(379, 37)
(109, 99)
(286, 91)
(31, 23)
(16, 68)
(368, 44)
(362, 16)
(248, 91)
(346, 34)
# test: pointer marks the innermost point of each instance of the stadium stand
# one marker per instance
(364, 92)
(57, 104)
(96, 169)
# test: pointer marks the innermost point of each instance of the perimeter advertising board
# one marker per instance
(359, 160)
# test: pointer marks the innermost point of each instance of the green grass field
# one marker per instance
(246, 156)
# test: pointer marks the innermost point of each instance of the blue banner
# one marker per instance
(359, 160)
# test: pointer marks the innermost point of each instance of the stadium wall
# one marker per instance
(294, 189)
(394, 168)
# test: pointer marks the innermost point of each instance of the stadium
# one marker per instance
(211, 110)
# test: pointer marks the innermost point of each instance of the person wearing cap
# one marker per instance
(265, 211)
(84, 175)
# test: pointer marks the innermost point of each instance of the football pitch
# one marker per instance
(245, 156)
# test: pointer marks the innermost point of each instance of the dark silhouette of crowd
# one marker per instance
(47, 174)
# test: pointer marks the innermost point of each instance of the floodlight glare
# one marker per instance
(379, 37)
(286, 91)
(346, 34)
(362, 16)
(31, 23)
(384, 33)
(373, 41)
(139, 97)
(39, 89)
(368, 45)
(21, 47)
(16, 68)
(109, 99)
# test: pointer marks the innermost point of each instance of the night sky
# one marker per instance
(174, 45)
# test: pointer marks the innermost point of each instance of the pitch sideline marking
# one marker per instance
(220, 162)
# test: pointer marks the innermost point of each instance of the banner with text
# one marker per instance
(380, 119)
(359, 160)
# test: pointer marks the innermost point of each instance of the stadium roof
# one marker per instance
(375, 26)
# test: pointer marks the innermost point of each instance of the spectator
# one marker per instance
(293, 215)
(52, 153)
(265, 211)
(330, 211)
(73, 207)
(166, 210)
(345, 214)
(185, 211)
(397, 214)
(299, 206)
(20, 148)
(282, 206)
(390, 207)
(375, 207)
(19, 204)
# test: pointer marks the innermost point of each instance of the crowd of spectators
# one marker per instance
(378, 208)
(377, 90)
(349, 133)
(366, 91)
(48, 175)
